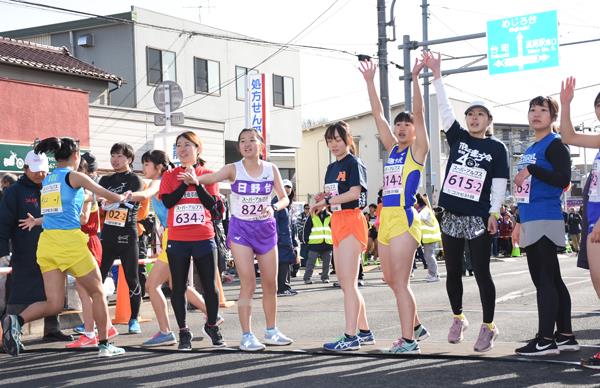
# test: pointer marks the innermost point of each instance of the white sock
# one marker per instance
(90, 335)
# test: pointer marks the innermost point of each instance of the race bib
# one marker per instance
(392, 179)
(332, 190)
(465, 182)
(51, 201)
(522, 192)
(250, 208)
(116, 217)
(594, 192)
(188, 214)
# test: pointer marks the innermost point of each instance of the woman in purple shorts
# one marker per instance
(253, 232)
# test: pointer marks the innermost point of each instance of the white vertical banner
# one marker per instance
(257, 115)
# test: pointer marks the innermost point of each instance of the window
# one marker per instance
(524, 135)
(506, 134)
(287, 173)
(240, 82)
(207, 77)
(283, 91)
(160, 66)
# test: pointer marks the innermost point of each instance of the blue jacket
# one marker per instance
(26, 285)
(286, 241)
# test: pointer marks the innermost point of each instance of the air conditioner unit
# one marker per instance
(86, 40)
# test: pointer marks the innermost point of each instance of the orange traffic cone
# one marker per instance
(123, 309)
(222, 300)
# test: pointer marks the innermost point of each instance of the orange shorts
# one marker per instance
(349, 222)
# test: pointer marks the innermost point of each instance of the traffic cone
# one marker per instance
(123, 309)
(222, 300)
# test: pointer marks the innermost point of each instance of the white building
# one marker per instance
(146, 48)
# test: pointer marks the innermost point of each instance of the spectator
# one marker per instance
(305, 215)
(371, 216)
(7, 180)
(505, 229)
(317, 232)
(430, 236)
(574, 225)
(287, 245)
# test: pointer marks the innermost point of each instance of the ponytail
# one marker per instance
(62, 148)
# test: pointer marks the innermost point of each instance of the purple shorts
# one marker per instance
(261, 236)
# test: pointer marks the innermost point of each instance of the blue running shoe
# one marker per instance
(160, 339)
(343, 344)
(79, 329)
(366, 338)
(134, 327)
(11, 337)
(400, 346)
(421, 333)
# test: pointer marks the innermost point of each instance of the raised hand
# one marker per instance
(567, 90)
(368, 69)
(434, 63)
(419, 65)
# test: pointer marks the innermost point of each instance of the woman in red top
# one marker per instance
(191, 234)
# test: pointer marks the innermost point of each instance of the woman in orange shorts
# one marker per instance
(345, 193)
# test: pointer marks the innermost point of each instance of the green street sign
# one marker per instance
(12, 157)
(522, 43)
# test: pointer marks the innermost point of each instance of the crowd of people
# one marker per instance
(52, 220)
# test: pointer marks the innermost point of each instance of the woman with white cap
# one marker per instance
(473, 190)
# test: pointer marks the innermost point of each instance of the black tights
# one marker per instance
(480, 248)
(124, 246)
(553, 299)
(205, 266)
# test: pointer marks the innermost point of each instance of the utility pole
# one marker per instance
(382, 40)
(428, 186)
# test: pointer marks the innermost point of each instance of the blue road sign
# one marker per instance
(522, 42)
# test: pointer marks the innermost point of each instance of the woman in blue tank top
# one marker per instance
(544, 172)
(63, 246)
(589, 255)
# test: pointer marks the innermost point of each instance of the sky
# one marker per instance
(331, 86)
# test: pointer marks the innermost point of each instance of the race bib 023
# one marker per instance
(116, 217)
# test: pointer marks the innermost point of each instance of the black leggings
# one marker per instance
(123, 245)
(553, 299)
(205, 262)
(480, 249)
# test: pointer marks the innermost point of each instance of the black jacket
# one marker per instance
(26, 285)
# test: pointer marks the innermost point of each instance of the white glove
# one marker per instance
(4, 261)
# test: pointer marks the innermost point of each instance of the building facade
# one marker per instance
(146, 48)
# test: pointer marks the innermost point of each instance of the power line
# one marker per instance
(172, 29)
(553, 94)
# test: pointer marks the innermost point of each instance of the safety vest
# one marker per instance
(320, 232)
(430, 233)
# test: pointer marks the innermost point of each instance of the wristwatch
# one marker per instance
(327, 201)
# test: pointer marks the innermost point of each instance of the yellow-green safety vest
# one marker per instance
(430, 233)
(320, 232)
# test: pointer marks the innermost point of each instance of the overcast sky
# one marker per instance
(331, 87)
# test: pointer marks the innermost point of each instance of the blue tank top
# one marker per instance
(401, 175)
(61, 204)
(161, 210)
(539, 200)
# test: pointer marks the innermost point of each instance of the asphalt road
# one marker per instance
(315, 316)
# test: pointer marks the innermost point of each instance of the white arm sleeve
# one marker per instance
(497, 195)
(446, 112)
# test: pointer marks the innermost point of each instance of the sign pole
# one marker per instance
(167, 108)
